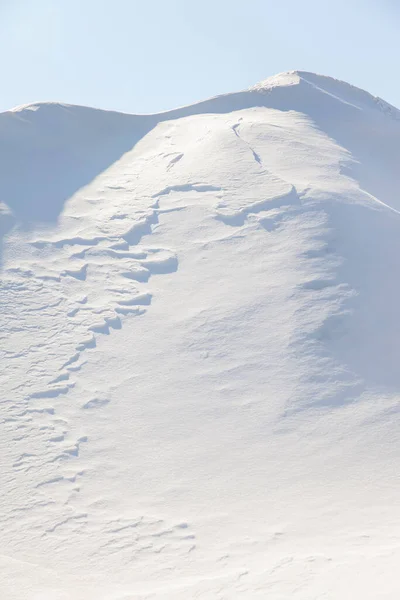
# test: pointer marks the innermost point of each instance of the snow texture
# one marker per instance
(200, 348)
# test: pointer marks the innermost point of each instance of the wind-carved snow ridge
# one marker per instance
(115, 260)
(119, 269)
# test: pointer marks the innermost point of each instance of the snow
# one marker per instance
(199, 324)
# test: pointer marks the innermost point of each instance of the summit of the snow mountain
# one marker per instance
(297, 83)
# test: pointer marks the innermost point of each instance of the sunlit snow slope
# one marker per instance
(200, 356)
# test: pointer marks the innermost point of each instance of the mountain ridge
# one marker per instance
(284, 79)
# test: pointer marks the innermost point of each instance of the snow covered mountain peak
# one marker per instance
(199, 322)
(338, 89)
(279, 80)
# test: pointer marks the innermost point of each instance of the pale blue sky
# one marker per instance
(151, 55)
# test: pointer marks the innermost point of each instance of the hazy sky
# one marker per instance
(151, 55)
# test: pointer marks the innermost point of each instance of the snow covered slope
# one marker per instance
(200, 348)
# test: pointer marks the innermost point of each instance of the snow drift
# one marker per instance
(199, 322)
